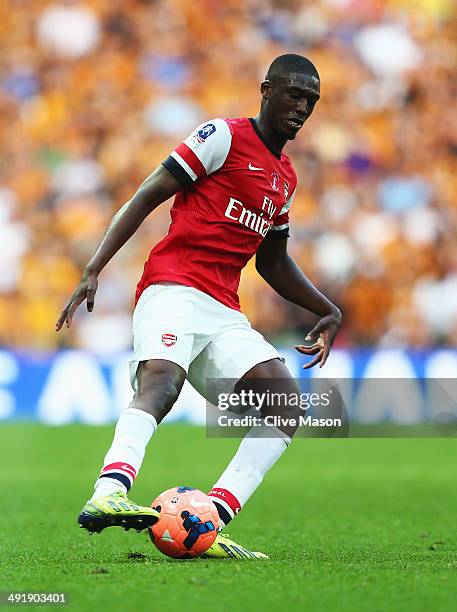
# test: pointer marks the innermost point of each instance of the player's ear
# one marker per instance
(266, 89)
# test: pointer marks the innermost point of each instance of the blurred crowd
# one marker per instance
(95, 93)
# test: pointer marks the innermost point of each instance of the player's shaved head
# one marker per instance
(291, 63)
(290, 92)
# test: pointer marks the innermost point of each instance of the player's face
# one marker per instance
(291, 101)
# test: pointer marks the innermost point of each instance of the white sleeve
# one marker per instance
(201, 153)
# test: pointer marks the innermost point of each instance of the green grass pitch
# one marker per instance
(359, 524)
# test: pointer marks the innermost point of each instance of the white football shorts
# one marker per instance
(209, 340)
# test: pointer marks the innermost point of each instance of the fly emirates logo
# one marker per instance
(259, 222)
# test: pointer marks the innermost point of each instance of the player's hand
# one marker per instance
(320, 339)
(84, 291)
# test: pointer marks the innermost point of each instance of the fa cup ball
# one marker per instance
(188, 522)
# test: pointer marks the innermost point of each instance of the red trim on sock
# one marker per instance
(227, 497)
(120, 467)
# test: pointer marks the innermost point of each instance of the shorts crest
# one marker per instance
(169, 339)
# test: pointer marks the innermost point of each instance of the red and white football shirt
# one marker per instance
(236, 191)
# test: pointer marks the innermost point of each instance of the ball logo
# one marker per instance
(195, 527)
(197, 504)
(275, 180)
(169, 339)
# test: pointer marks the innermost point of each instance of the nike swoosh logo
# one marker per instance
(126, 468)
(251, 167)
(197, 504)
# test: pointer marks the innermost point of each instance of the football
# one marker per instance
(188, 522)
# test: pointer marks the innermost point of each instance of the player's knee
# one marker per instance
(168, 391)
(158, 400)
(286, 418)
(290, 413)
(283, 412)
(291, 420)
(159, 388)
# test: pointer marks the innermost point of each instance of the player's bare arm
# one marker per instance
(158, 187)
(281, 272)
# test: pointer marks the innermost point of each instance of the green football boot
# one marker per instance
(116, 510)
(225, 548)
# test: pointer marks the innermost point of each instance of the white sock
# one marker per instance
(123, 460)
(258, 451)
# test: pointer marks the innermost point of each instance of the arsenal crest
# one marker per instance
(169, 339)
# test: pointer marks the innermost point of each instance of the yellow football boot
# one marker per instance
(116, 510)
(225, 548)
